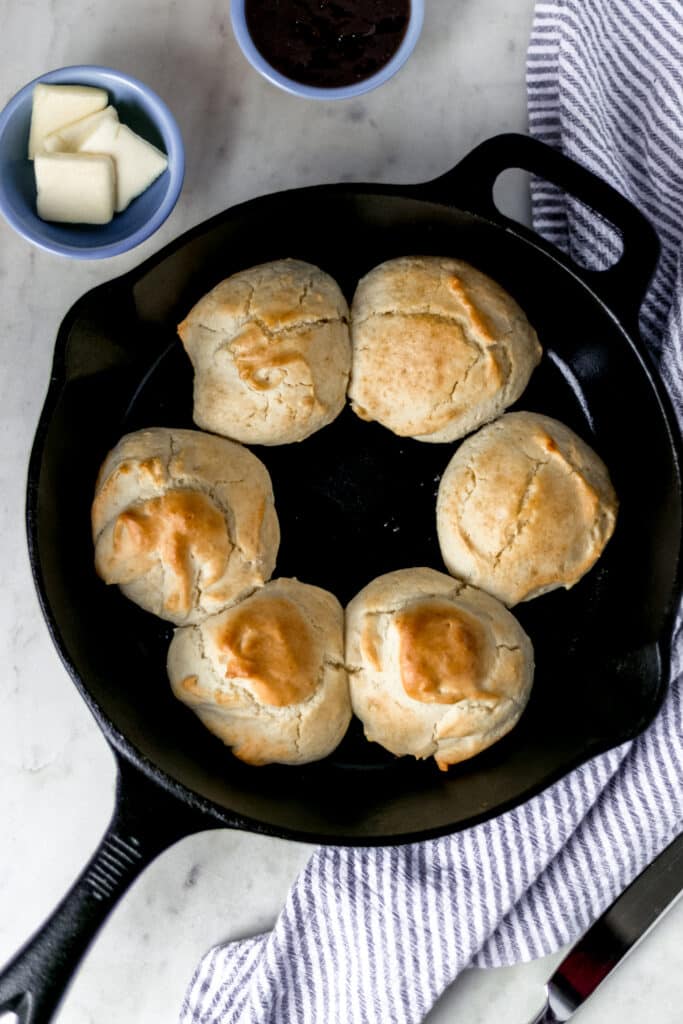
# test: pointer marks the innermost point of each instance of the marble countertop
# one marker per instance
(243, 137)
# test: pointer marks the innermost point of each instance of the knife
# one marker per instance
(614, 935)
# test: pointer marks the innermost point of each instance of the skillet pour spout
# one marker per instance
(602, 649)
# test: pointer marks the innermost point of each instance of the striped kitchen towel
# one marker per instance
(377, 935)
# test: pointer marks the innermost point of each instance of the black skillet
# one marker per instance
(354, 501)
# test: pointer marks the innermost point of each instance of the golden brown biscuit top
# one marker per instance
(280, 295)
(439, 348)
(443, 652)
(478, 318)
(150, 471)
(262, 358)
(532, 496)
(180, 528)
(267, 641)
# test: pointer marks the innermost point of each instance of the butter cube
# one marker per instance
(75, 188)
(138, 162)
(55, 106)
(71, 138)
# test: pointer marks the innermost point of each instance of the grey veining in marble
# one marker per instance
(464, 82)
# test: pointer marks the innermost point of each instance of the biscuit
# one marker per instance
(524, 506)
(184, 522)
(438, 348)
(436, 668)
(271, 353)
(267, 676)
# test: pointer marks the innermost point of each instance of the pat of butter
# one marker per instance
(75, 188)
(138, 162)
(71, 138)
(55, 106)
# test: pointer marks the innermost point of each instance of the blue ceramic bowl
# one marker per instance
(138, 107)
(258, 61)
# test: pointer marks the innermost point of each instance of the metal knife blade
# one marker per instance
(614, 935)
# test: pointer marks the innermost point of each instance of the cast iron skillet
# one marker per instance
(354, 501)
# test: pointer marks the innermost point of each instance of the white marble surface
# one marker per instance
(464, 82)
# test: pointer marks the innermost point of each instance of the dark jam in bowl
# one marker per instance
(327, 43)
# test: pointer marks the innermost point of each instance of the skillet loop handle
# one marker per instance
(470, 186)
(146, 820)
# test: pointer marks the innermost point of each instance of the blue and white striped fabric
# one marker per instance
(377, 935)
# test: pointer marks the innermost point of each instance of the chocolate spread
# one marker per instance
(328, 43)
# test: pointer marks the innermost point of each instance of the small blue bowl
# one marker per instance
(312, 92)
(138, 107)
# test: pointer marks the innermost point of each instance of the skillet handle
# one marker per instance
(146, 820)
(470, 185)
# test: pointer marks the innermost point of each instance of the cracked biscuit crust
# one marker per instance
(524, 507)
(436, 668)
(271, 353)
(184, 522)
(438, 348)
(267, 676)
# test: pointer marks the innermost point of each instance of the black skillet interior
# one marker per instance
(355, 501)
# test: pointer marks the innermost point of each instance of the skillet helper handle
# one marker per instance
(146, 820)
(470, 186)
